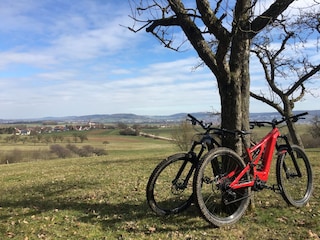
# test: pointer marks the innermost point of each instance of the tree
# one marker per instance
(75, 137)
(82, 137)
(287, 75)
(105, 142)
(183, 136)
(315, 127)
(47, 139)
(54, 138)
(221, 35)
(60, 137)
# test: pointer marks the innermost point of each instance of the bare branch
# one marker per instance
(268, 66)
(211, 21)
(172, 21)
(267, 101)
(194, 36)
(137, 30)
(269, 16)
(303, 79)
(300, 96)
(283, 44)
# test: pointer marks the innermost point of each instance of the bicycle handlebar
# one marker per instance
(221, 131)
(275, 122)
(218, 131)
(295, 118)
(194, 121)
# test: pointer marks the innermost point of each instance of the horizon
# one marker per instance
(141, 115)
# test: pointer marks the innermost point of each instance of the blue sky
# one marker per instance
(63, 58)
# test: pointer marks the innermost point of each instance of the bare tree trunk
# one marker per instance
(295, 137)
(287, 112)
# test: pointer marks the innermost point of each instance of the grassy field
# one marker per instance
(104, 198)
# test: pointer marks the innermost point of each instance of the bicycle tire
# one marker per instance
(165, 195)
(218, 204)
(295, 190)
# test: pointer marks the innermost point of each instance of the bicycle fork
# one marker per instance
(193, 158)
(293, 158)
(175, 181)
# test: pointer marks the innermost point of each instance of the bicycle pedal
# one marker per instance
(207, 180)
(274, 188)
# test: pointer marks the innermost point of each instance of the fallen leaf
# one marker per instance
(313, 235)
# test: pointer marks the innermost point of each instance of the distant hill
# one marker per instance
(133, 118)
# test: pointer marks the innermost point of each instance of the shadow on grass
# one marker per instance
(125, 215)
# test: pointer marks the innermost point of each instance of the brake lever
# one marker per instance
(295, 119)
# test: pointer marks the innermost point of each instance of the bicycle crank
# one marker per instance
(233, 195)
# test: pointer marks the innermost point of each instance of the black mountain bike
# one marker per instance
(169, 189)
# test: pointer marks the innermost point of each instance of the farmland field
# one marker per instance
(103, 197)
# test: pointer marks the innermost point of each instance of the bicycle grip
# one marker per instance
(301, 114)
(193, 119)
(190, 116)
(295, 118)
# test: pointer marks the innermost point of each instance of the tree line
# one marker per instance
(46, 138)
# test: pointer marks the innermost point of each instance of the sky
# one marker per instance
(72, 58)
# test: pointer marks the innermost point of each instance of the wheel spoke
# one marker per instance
(218, 203)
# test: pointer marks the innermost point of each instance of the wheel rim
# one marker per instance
(222, 205)
(169, 194)
(295, 187)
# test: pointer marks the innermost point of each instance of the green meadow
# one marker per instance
(103, 197)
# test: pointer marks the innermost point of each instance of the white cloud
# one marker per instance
(171, 84)
(91, 43)
(64, 30)
(28, 58)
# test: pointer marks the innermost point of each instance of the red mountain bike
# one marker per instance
(223, 181)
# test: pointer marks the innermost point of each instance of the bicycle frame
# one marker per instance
(262, 151)
(206, 142)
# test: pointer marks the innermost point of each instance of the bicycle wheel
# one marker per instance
(219, 204)
(294, 176)
(169, 189)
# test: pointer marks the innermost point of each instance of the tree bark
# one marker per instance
(295, 138)
(234, 91)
